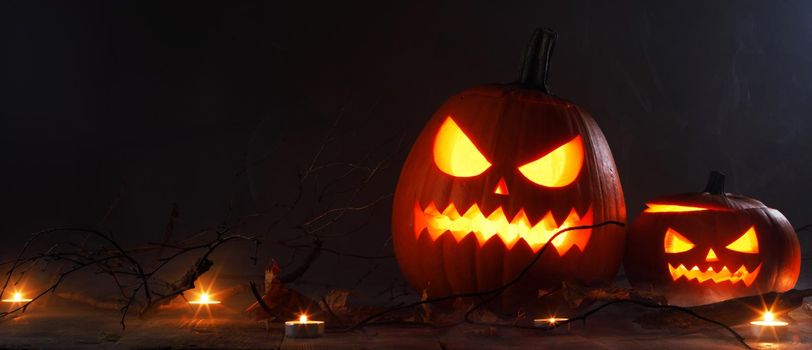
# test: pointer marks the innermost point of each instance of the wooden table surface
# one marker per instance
(228, 328)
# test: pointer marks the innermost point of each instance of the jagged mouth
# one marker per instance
(435, 223)
(695, 273)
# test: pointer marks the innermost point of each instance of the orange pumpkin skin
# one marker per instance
(510, 126)
(772, 262)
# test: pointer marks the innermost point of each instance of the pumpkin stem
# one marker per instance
(536, 65)
(716, 183)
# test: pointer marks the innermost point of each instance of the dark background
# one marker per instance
(113, 112)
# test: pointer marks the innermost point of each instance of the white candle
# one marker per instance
(769, 329)
(769, 321)
(549, 321)
(304, 328)
(17, 297)
(204, 299)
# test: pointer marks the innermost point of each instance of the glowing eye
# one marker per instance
(455, 154)
(559, 167)
(676, 243)
(670, 208)
(747, 243)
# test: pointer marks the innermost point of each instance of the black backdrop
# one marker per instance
(135, 106)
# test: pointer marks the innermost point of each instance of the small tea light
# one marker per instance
(17, 297)
(769, 321)
(304, 328)
(549, 322)
(769, 329)
(204, 299)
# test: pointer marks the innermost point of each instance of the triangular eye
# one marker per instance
(455, 154)
(557, 168)
(676, 243)
(669, 208)
(747, 243)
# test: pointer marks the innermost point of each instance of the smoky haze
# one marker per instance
(114, 112)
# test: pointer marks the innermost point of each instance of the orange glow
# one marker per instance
(557, 168)
(303, 320)
(695, 273)
(675, 242)
(554, 320)
(769, 320)
(474, 221)
(204, 299)
(549, 322)
(455, 154)
(501, 188)
(711, 257)
(747, 243)
(17, 297)
(670, 208)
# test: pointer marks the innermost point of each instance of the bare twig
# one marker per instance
(262, 304)
(807, 227)
(490, 292)
(685, 310)
(121, 264)
(314, 253)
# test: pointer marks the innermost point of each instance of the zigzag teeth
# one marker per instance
(695, 273)
(510, 230)
(451, 212)
(548, 222)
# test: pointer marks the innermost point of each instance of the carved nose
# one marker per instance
(711, 257)
(501, 187)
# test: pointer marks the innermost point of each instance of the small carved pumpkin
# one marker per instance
(494, 174)
(698, 248)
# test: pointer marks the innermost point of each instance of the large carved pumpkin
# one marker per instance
(704, 247)
(493, 175)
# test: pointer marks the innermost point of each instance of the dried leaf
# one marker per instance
(521, 316)
(807, 309)
(460, 306)
(486, 331)
(271, 272)
(283, 301)
(426, 311)
(575, 296)
(337, 301)
(488, 317)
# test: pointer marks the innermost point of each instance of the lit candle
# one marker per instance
(769, 321)
(204, 299)
(304, 328)
(17, 297)
(549, 321)
(768, 328)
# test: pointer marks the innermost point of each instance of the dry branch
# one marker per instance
(488, 294)
(733, 312)
(137, 285)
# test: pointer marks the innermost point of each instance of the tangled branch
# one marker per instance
(685, 310)
(492, 293)
(137, 285)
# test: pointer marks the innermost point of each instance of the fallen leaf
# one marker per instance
(336, 301)
(285, 302)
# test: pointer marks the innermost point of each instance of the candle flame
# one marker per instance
(303, 318)
(768, 319)
(16, 297)
(549, 321)
(204, 299)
